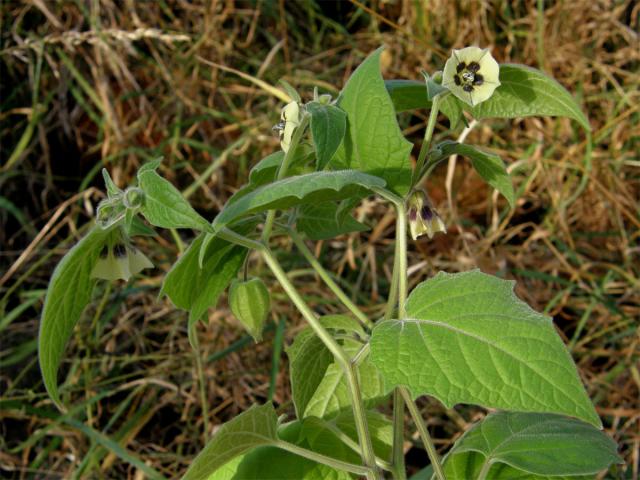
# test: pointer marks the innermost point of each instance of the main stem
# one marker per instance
(400, 279)
(424, 434)
(368, 455)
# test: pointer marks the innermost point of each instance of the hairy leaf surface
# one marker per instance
(328, 125)
(526, 92)
(289, 192)
(373, 142)
(164, 206)
(468, 339)
(68, 294)
(469, 465)
(544, 444)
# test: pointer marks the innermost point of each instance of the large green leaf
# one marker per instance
(318, 385)
(321, 221)
(526, 92)
(195, 289)
(468, 339)
(469, 465)
(488, 165)
(68, 294)
(254, 428)
(289, 192)
(374, 142)
(328, 125)
(543, 444)
(164, 206)
(272, 463)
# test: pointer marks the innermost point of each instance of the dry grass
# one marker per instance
(105, 83)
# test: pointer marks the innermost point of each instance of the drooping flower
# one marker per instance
(290, 119)
(119, 260)
(471, 74)
(423, 218)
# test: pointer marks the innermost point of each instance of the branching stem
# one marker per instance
(368, 456)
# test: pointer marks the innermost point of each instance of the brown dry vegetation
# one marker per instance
(87, 84)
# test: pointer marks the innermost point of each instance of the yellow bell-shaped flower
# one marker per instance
(423, 218)
(119, 262)
(290, 117)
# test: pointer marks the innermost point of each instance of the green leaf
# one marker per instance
(321, 221)
(272, 463)
(469, 465)
(68, 294)
(289, 192)
(526, 92)
(468, 339)
(543, 444)
(253, 428)
(196, 289)
(328, 125)
(488, 165)
(407, 95)
(164, 206)
(317, 383)
(374, 142)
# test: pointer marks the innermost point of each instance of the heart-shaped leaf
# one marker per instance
(468, 339)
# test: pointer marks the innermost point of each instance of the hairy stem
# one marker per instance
(282, 172)
(424, 433)
(317, 457)
(326, 278)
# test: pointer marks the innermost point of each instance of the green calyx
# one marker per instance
(250, 302)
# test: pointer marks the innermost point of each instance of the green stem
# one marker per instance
(201, 382)
(399, 472)
(424, 434)
(401, 240)
(326, 278)
(485, 470)
(339, 354)
(282, 172)
(428, 133)
(317, 457)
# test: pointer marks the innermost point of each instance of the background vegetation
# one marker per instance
(94, 83)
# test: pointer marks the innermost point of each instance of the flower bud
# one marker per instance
(133, 197)
(423, 218)
(110, 211)
(471, 74)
